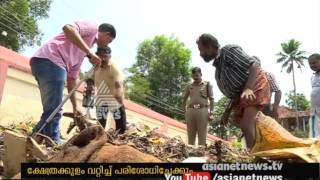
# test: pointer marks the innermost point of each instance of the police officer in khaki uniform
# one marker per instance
(199, 110)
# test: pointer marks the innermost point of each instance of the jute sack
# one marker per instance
(299, 154)
(271, 135)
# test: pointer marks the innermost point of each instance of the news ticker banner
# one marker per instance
(173, 171)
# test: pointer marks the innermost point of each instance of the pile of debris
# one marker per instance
(141, 141)
(174, 149)
(148, 141)
(24, 128)
(141, 144)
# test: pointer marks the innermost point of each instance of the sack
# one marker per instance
(299, 154)
(276, 143)
(271, 135)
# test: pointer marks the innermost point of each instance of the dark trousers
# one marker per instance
(119, 116)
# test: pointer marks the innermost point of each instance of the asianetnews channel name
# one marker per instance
(274, 166)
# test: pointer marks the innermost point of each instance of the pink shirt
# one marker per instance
(65, 54)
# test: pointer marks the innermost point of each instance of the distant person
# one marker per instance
(59, 60)
(314, 123)
(272, 110)
(109, 81)
(199, 109)
(240, 79)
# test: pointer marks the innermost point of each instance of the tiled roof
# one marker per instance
(287, 113)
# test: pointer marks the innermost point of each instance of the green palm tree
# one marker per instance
(289, 56)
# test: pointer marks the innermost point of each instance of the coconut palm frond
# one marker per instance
(285, 64)
(301, 53)
(282, 57)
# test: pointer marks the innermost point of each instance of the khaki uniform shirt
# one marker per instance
(199, 94)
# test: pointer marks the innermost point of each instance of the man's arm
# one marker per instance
(119, 91)
(74, 37)
(185, 98)
(211, 99)
(71, 83)
(274, 87)
(227, 112)
(277, 99)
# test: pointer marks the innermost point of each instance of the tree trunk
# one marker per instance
(295, 92)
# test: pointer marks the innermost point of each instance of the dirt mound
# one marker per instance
(91, 146)
(117, 154)
(80, 147)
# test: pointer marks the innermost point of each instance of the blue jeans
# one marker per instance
(51, 80)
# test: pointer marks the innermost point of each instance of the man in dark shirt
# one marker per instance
(240, 79)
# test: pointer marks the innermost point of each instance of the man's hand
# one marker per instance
(248, 94)
(77, 112)
(95, 60)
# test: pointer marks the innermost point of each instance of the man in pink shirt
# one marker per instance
(59, 60)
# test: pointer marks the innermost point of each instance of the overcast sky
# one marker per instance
(258, 26)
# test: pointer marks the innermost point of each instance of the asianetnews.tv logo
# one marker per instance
(190, 176)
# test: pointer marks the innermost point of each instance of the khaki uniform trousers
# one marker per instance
(197, 123)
